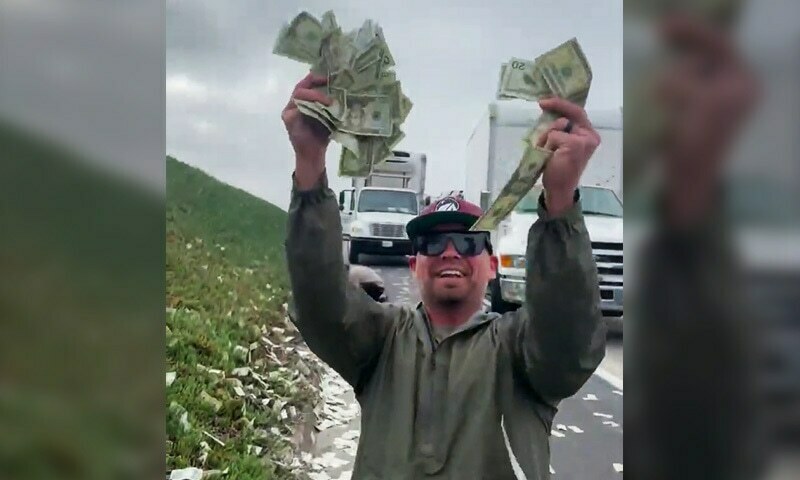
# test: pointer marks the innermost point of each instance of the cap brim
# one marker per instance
(426, 223)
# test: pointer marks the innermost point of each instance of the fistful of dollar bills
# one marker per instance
(368, 103)
(563, 72)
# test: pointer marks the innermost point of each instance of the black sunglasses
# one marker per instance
(467, 244)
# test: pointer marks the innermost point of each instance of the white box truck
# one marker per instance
(376, 209)
(493, 152)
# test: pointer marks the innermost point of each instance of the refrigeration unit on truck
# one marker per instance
(376, 209)
(493, 152)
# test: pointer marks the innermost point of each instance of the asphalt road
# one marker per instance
(587, 439)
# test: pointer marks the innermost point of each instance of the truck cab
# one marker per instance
(376, 210)
(602, 211)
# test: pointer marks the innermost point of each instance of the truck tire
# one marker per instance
(498, 304)
(352, 255)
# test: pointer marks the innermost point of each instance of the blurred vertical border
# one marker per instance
(81, 239)
(712, 227)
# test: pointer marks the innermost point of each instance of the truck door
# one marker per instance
(346, 209)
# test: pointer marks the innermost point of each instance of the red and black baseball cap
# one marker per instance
(441, 212)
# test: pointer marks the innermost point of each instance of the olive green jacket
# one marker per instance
(480, 403)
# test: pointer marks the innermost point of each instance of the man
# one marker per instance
(447, 391)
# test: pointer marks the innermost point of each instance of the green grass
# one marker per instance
(251, 229)
(226, 285)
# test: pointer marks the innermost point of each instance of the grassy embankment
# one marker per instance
(226, 290)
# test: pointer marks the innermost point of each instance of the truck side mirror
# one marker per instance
(341, 207)
(427, 200)
(341, 200)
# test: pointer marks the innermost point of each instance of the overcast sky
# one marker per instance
(225, 89)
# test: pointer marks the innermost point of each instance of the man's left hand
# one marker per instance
(571, 152)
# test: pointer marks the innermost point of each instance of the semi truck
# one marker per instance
(376, 209)
(493, 153)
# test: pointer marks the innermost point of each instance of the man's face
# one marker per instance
(450, 278)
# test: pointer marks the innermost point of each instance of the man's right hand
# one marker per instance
(308, 136)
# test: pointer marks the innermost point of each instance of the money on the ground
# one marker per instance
(369, 105)
(562, 72)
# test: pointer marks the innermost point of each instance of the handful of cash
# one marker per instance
(563, 72)
(368, 103)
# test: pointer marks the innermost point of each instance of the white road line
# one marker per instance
(609, 377)
(575, 429)
(518, 473)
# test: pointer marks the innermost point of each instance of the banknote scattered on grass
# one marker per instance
(563, 72)
(368, 102)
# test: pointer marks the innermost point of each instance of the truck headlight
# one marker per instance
(513, 290)
(357, 228)
(512, 261)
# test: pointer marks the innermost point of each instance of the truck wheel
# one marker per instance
(498, 304)
(352, 256)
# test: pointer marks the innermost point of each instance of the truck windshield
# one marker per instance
(594, 201)
(387, 201)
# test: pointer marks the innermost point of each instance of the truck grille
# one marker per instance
(608, 257)
(388, 230)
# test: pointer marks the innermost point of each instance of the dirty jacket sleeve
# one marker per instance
(559, 335)
(339, 322)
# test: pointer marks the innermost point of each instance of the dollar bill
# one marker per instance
(367, 77)
(522, 180)
(363, 153)
(566, 70)
(391, 142)
(392, 91)
(562, 71)
(328, 21)
(523, 79)
(539, 128)
(307, 109)
(353, 164)
(503, 68)
(343, 80)
(367, 115)
(330, 115)
(347, 141)
(405, 107)
(383, 149)
(387, 76)
(300, 39)
(369, 105)
(376, 51)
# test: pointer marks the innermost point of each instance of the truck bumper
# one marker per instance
(512, 290)
(379, 246)
(611, 306)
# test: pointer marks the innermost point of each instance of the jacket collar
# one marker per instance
(425, 330)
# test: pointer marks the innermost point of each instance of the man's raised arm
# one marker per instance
(340, 323)
(560, 337)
